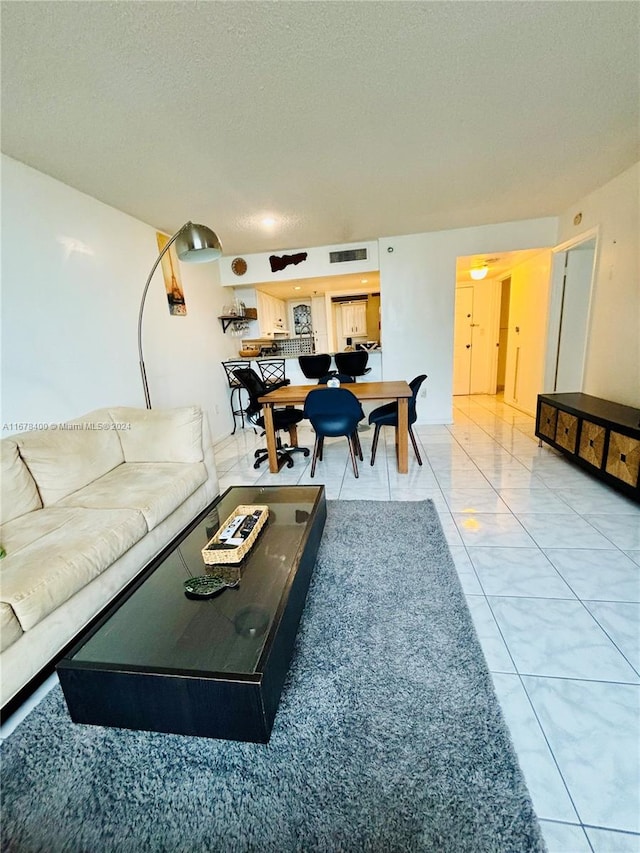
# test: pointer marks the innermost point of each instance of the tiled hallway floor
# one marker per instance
(549, 559)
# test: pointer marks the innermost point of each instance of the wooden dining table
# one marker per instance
(290, 395)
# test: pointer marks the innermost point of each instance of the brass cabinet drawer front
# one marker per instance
(567, 431)
(623, 458)
(548, 419)
(591, 447)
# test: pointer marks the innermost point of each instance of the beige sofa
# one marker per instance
(85, 506)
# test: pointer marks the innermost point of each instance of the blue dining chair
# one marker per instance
(387, 415)
(334, 412)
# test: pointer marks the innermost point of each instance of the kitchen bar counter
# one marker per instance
(295, 357)
(295, 375)
(371, 352)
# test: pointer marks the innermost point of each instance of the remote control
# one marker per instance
(243, 532)
(232, 527)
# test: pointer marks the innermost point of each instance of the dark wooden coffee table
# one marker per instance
(212, 668)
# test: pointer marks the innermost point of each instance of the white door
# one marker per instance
(462, 340)
(319, 322)
(574, 317)
(265, 314)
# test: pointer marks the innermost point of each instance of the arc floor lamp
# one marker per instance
(195, 244)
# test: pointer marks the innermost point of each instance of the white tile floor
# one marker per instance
(549, 559)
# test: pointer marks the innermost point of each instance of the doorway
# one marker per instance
(503, 337)
(500, 330)
(572, 281)
(475, 337)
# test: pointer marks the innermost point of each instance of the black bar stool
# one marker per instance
(315, 366)
(353, 363)
(236, 389)
(273, 371)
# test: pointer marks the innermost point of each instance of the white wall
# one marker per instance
(612, 369)
(316, 265)
(69, 317)
(528, 309)
(417, 285)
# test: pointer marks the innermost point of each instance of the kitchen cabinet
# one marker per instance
(600, 436)
(354, 319)
(272, 314)
(319, 323)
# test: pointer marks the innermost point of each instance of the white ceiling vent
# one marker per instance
(347, 255)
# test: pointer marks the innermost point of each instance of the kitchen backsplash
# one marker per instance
(294, 346)
(281, 346)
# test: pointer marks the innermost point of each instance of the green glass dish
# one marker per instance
(206, 586)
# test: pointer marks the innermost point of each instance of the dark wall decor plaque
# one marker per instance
(279, 263)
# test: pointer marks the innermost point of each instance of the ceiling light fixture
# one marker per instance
(268, 222)
(478, 273)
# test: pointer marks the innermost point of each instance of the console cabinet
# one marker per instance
(601, 436)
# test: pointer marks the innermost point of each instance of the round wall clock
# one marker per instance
(239, 266)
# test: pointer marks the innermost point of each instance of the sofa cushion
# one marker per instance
(18, 491)
(53, 553)
(154, 488)
(76, 453)
(10, 628)
(159, 435)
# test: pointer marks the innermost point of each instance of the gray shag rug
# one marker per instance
(388, 737)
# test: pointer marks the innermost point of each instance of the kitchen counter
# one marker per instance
(295, 357)
(371, 352)
(296, 377)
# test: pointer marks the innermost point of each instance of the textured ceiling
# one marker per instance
(343, 120)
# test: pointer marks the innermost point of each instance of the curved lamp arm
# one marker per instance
(201, 245)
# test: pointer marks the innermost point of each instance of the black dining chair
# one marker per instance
(387, 415)
(283, 419)
(353, 363)
(334, 412)
(315, 366)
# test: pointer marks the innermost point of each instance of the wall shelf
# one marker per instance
(228, 319)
